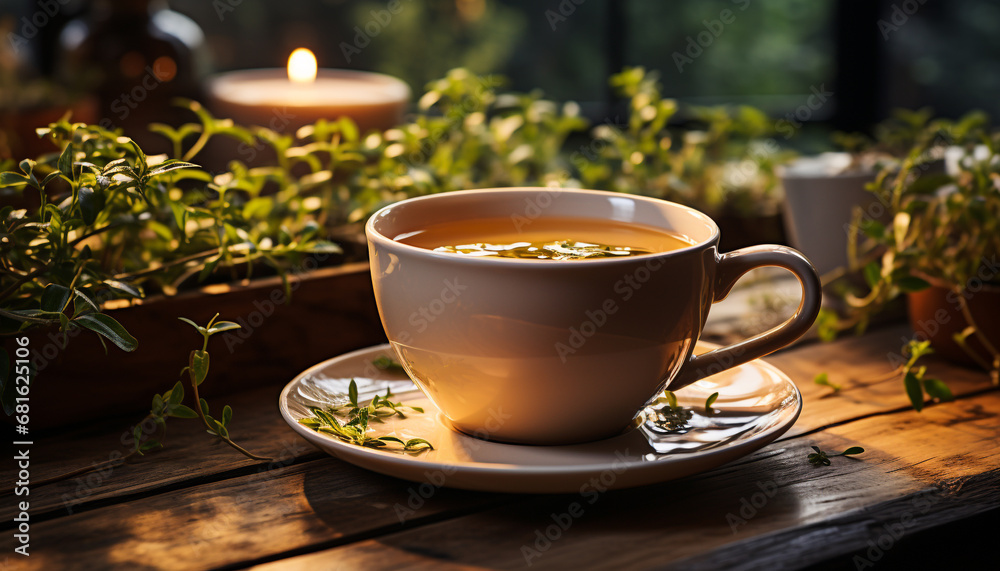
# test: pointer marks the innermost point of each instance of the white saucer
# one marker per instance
(756, 404)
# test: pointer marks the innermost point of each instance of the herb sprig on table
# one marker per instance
(915, 380)
(822, 458)
(354, 428)
(170, 404)
(823, 380)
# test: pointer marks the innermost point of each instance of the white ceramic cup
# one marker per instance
(556, 352)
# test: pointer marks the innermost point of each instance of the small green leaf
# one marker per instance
(150, 446)
(200, 329)
(141, 163)
(710, 401)
(66, 162)
(54, 298)
(348, 128)
(852, 451)
(917, 349)
(938, 390)
(91, 204)
(177, 394)
(414, 443)
(227, 415)
(209, 268)
(352, 393)
(170, 165)
(387, 364)
(910, 284)
(81, 298)
(391, 439)
(27, 166)
(873, 274)
(914, 391)
(219, 428)
(182, 411)
(204, 406)
(124, 287)
(199, 366)
(823, 380)
(327, 418)
(12, 179)
(221, 326)
(157, 407)
(106, 326)
(50, 177)
(670, 398)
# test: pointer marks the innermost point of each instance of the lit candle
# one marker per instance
(284, 100)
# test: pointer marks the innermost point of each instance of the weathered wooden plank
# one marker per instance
(875, 531)
(257, 424)
(861, 366)
(189, 454)
(264, 515)
(951, 451)
(302, 508)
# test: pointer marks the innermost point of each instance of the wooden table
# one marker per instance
(926, 490)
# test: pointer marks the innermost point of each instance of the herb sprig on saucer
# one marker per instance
(354, 429)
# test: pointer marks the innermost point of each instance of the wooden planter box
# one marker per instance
(332, 310)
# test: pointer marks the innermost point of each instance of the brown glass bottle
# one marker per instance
(136, 56)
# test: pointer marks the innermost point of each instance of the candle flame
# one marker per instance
(302, 66)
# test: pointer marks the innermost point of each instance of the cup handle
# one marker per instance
(731, 267)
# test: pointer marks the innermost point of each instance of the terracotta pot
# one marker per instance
(935, 313)
(332, 311)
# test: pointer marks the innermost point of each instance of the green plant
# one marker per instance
(893, 138)
(724, 164)
(943, 229)
(100, 222)
(170, 404)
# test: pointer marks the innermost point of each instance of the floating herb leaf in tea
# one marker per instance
(554, 250)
